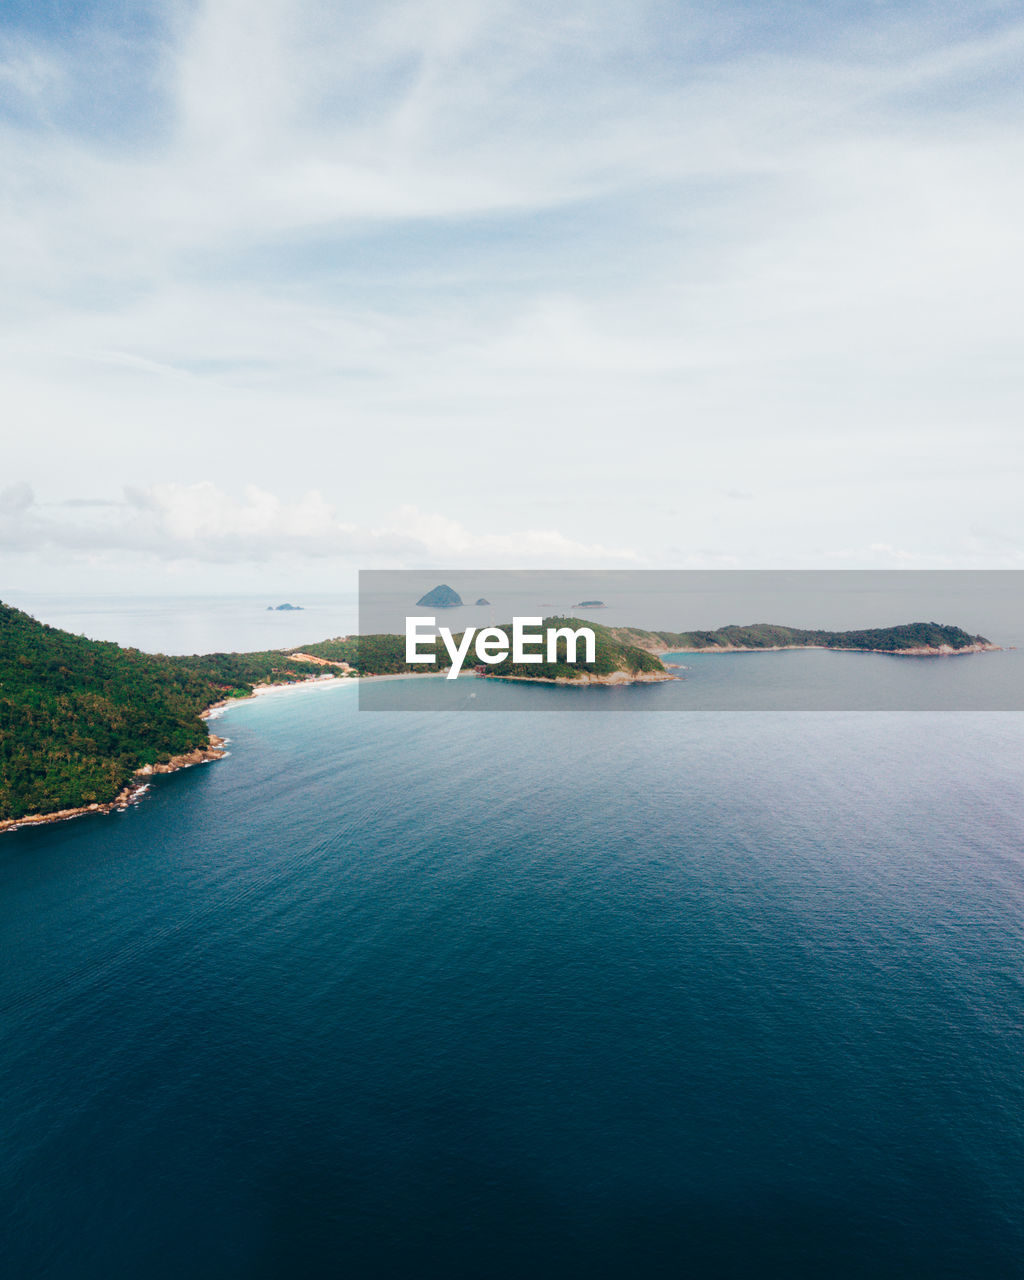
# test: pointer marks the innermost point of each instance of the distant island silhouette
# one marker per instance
(442, 597)
(277, 608)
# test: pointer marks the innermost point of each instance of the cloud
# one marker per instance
(616, 259)
(15, 501)
(898, 554)
(203, 523)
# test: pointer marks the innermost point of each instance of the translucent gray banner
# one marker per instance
(691, 640)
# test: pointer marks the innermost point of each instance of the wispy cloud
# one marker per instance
(204, 523)
(624, 257)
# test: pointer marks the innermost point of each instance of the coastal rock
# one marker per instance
(587, 678)
(201, 755)
(130, 794)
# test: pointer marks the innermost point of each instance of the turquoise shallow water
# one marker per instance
(431, 994)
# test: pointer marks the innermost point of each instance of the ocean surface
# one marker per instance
(194, 624)
(782, 680)
(428, 994)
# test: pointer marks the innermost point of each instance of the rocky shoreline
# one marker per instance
(139, 785)
(613, 678)
(130, 794)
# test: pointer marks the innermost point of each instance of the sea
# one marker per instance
(427, 994)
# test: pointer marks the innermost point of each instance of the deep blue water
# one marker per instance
(424, 994)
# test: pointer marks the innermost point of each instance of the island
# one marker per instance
(590, 604)
(84, 724)
(278, 608)
(915, 639)
(442, 597)
(483, 601)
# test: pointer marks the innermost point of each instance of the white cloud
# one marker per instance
(503, 258)
(203, 523)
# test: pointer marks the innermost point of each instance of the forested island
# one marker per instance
(914, 638)
(614, 656)
(82, 721)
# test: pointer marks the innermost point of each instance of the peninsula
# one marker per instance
(83, 723)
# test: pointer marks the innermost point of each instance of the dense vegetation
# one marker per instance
(377, 655)
(78, 716)
(765, 635)
(610, 654)
(235, 674)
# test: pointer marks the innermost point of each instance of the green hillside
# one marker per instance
(611, 654)
(385, 655)
(78, 716)
(765, 635)
(376, 655)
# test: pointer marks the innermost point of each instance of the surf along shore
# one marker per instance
(130, 794)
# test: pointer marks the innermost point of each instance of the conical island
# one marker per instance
(442, 597)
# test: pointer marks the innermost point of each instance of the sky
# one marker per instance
(294, 288)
